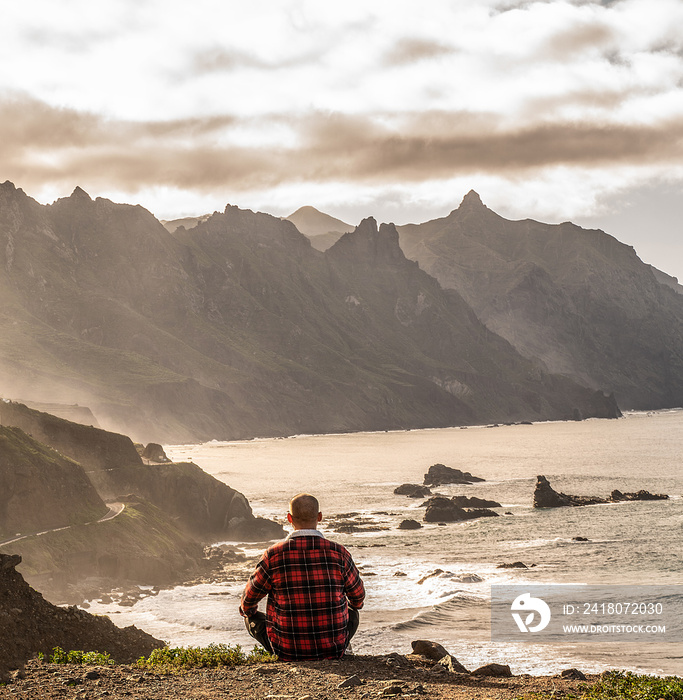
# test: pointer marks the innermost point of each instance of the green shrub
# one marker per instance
(204, 657)
(94, 658)
(631, 686)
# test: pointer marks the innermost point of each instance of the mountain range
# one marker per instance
(238, 327)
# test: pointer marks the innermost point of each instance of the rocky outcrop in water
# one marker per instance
(413, 490)
(441, 509)
(440, 474)
(641, 495)
(409, 524)
(30, 625)
(546, 497)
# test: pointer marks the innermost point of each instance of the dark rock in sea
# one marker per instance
(439, 474)
(513, 565)
(431, 650)
(30, 624)
(413, 490)
(473, 513)
(493, 671)
(573, 674)
(409, 525)
(474, 502)
(155, 453)
(441, 509)
(254, 529)
(546, 497)
(641, 495)
(452, 665)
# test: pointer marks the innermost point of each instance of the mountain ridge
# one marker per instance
(576, 299)
(238, 328)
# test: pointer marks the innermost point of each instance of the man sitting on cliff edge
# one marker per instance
(314, 591)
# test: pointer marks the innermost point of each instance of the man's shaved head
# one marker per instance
(304, 509)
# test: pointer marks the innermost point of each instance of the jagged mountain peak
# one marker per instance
(369, 243)
(472, 202)
(80, 193)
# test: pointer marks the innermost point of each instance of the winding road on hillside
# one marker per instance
(115, 509)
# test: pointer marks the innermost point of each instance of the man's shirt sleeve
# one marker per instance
(258, 586)
(353, 584)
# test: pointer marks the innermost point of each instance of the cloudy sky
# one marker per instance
(556, 110)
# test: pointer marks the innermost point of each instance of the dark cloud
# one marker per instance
(43, 145)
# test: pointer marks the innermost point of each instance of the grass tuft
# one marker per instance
(632, 686)
(211, 656)
(94, 658)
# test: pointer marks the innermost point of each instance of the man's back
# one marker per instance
(307, 579)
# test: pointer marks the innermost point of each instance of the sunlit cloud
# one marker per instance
(385, 104)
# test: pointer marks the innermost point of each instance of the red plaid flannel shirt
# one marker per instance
(307, 579)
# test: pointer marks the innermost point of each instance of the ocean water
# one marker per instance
(634, 543)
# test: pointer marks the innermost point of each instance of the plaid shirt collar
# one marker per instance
(305, 533)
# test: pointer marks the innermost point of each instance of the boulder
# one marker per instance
(439, 474)
(413, 490)
(409, 525)
(573, 674)
(493, 671)
(432, 650)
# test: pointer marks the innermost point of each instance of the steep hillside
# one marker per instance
(143, 546)
(199, 504)
(235, 328)
(400, 306)
(577, 300)
(40, 489)
(30, 625)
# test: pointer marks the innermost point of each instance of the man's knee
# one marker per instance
(256, 626)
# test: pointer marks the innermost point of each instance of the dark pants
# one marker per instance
(256, 626)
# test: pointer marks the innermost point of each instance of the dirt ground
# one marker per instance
(376, 677)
